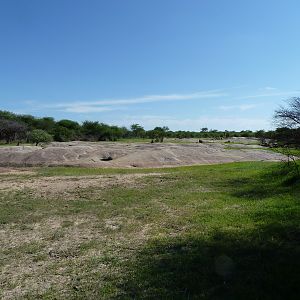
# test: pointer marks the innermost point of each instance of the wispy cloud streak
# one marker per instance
(116, 104)
(87, 109)
(241, 107)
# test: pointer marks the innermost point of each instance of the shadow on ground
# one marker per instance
(277, 180)
(222, 267)
(262, 262)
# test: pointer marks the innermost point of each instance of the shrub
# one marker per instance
(39, 136)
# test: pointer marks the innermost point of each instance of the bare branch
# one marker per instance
(290, 116)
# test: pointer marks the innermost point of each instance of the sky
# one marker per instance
(185, 64)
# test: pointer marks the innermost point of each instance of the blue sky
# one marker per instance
(184, 64)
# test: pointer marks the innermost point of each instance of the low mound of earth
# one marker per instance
(106, 154)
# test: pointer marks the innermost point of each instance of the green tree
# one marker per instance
(63, 134)
(29, 120)
(66, 130)
(137, 131)
(95, 131)
(7, 115)
(46, 123)
(159, 133)
(39, 136)
(90, 130)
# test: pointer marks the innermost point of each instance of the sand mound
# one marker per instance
(104, 154)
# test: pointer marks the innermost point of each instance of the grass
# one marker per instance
(243, 148)
(134, 140)
(227, 231)
(291, 151)
(14, 144)
(246, 142)
(286, 151)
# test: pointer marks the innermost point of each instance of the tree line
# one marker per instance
(27, 128)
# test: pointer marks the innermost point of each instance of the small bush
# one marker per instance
(40, 136)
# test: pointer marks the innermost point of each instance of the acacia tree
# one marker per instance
(137, 130)
(288, 119)
(158, 133)
(40, 136)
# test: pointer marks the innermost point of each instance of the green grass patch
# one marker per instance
(243, 148)
(241, 142)
(134, 140)
(286, 151)
(15, 144)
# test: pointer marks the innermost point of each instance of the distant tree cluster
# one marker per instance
(27, 128)
(17, 128)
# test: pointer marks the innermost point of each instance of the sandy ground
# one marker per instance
(131, 155)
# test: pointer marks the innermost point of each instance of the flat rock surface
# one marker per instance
(108, 154)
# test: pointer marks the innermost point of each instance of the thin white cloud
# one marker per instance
(241, 107)
(115, 104)
(86, 109)
(269, 88)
